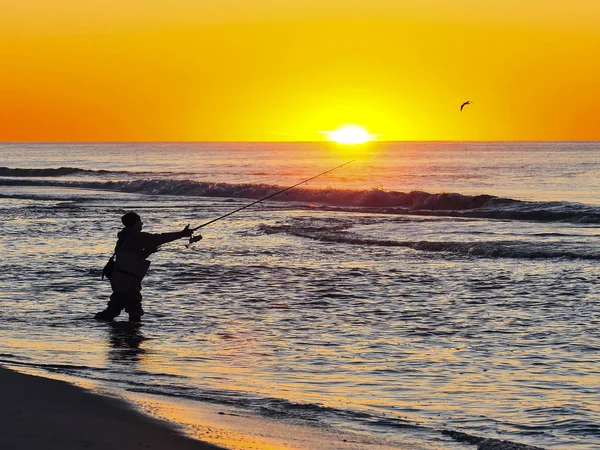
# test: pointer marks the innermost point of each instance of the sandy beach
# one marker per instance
(42, 413)
(46, 413)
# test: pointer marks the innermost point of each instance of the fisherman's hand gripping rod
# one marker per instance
(198, 237)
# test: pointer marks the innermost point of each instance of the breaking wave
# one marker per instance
(485, 249)
(50, 172)
(376, 201)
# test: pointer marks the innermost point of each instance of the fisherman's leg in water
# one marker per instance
(115, 305)
(133, 305)
(131, 302)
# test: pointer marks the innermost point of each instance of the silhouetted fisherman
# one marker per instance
(131, 251)
(468, 102)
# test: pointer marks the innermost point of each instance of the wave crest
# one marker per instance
(484, 249)
(377, 201)
(46, 172)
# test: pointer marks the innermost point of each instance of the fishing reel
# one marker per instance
(193, 239)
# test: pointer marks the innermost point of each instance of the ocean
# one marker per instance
(424, 290)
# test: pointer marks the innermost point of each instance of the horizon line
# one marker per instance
(295, 142)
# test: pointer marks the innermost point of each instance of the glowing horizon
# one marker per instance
(250, 71)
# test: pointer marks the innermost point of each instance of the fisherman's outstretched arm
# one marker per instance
(154, 240)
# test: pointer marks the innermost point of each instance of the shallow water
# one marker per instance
(362, 310)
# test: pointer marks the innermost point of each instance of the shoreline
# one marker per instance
(48, 413)
(39, 412)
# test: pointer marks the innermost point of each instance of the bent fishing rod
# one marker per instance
(197, 238)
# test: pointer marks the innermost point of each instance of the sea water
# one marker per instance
(424, 287)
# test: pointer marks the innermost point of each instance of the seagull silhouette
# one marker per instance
(468, 102)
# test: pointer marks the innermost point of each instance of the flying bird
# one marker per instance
(468, 102)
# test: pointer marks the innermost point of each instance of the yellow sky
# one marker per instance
(266, 70)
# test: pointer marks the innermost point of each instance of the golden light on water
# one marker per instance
(349, 134)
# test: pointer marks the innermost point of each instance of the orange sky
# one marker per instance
(265, 70)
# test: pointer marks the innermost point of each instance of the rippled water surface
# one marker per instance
(362, 310)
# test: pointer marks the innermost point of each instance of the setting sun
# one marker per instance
(349, 134)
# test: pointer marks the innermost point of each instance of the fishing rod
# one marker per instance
(197, 238)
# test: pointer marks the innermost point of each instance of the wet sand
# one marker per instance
(48, 414)
(41, 413)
